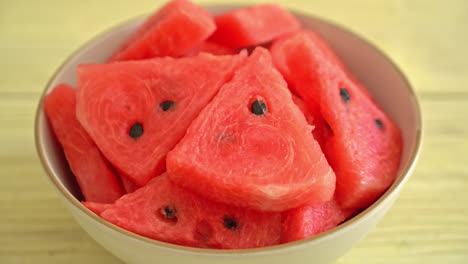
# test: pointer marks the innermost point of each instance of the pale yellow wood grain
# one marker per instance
(427, 39)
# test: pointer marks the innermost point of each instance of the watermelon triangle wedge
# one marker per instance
(251, 146)
(254, 25)
(363, 145)
(166, 212)
(97, 179)
(136, 111)
(310, 220)
(175, 29)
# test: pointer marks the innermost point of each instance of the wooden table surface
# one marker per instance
(427, 39)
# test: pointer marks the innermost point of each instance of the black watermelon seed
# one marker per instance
(259, 107)
(169, 211)
(166, 105)
(230, 223)
(345, 95)
(379, 123)
(136, 130)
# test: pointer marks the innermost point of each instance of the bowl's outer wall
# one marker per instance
(383, 79)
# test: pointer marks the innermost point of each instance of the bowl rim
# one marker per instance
(366, 213)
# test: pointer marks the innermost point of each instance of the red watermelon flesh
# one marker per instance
(364, 146)
(312, 114)
(286, 52)
(253, 25)
(212, 48)
(175, 29)
(311, 220)
(95, 176)
(128, 185)
(268, 162)
(136, 111)
(166, 212)
(97, 208)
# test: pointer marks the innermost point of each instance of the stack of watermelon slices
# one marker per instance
(185, 138)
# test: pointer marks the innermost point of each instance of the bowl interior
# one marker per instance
(372, 68)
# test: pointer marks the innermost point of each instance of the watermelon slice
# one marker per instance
(252, 147)
(311, 220)
(165, 212)
(364, 146)
(136, 111)
(96, 178)
(173, 30)
(253, 25)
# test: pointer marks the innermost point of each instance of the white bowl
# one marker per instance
(384, 80)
